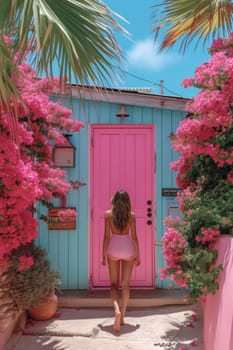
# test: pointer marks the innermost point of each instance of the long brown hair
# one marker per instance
(121, 209)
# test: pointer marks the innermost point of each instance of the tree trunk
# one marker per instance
(8, 308)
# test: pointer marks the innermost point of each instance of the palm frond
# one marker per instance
(8, 88)
(77, 34)
(187, 20)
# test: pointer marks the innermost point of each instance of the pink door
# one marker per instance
(123, 157)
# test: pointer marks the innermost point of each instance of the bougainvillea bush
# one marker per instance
(26, 170)
(204, 140)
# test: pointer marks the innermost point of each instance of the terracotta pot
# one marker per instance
(45, 310)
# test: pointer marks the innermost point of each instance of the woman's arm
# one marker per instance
(106, 237)
(135, 239)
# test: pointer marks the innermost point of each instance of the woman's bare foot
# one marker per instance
(117, 322)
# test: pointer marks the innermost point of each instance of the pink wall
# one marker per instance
(218, 308)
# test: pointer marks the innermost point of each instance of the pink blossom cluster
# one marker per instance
(174, 250)
(26, 167)
(230, 177)
(223, 44)
(210, 115)
(170, 221)
(63, 214)
(204, 142)
(208, 235)
(25, 262)
(186, 198)
(173, 241)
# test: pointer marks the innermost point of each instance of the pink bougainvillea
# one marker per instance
(204, 174)
(207, 235)
(26, 168)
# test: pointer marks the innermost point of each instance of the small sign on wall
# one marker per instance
(170, 192)
(62, 219)
(64, 157)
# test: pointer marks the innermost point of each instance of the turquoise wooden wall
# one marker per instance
(68, 250)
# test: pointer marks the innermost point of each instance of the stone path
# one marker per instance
(168, 328)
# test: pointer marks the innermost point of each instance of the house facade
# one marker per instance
(124, 144)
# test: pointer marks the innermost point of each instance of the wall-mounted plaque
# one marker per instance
(170, 192)
(62, 222)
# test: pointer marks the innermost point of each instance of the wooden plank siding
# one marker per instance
(68, 249)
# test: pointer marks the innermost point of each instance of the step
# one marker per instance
(139, 298)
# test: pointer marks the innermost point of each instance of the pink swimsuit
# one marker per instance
(120, 247)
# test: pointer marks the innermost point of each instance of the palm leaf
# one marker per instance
(76, 35)
(8, 88)
(187, 20)
(8, 68)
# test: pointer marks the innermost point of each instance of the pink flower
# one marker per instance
(187, 82)
(208, 235)
(193, 343)
(66, 213)
(25, 262)
(190, 325)
(194, 316)
(31, 177)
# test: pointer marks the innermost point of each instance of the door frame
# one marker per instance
(92, 127)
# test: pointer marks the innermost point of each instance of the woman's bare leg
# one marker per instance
(114, 269)
(127, 267)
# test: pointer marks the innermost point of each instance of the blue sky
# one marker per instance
(143, 59)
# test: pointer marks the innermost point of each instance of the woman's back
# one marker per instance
(114, 229)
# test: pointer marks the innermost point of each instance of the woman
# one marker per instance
(120, 249)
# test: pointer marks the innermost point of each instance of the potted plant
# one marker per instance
(34, 288)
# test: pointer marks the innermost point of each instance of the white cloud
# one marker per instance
(144, 54)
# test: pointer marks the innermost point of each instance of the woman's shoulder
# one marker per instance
(108, 213)
(132, 216)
